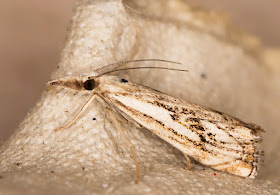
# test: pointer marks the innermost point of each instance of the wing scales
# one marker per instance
(210, 137)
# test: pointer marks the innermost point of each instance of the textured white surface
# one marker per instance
(225, 74)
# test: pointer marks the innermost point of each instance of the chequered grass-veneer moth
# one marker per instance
(210, 137)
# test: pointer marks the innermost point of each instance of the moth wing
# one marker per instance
(210, 137)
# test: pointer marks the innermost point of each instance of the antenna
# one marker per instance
(134, 61)
(135, 68)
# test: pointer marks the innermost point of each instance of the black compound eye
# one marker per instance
(89, 84)
(123, 81)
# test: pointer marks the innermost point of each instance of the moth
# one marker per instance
(210, 137)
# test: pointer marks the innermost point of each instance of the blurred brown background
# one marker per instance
(32, 33)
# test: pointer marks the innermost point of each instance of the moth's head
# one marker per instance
(79, 84)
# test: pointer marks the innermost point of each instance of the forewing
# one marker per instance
(210, 137)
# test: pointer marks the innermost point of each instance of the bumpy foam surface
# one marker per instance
(225, 73)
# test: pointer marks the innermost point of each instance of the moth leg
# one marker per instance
(111, 111)
(107, 106)
(123, 117)
(189, 162)
(78, 115)
(116, 147)
(129, 144)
